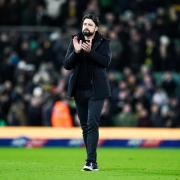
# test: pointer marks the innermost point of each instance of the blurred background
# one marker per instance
(144, 72)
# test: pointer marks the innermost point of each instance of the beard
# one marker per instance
(87, 33)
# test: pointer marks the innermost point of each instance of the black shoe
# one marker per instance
(89, 166)
(95, 167)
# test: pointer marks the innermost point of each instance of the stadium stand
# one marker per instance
(144, 73)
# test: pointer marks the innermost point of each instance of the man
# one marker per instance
(88, 56)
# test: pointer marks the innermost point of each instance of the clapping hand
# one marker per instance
(77, 45)
(86, 46)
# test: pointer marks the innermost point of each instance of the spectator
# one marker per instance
(168, 84)
(155, 116)
(160, 97)
(126, 117)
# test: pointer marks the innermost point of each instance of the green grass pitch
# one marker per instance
(66, 163)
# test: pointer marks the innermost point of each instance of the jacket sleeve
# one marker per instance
(103, 57)
(70, 58)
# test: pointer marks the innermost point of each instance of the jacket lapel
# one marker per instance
(97, 43)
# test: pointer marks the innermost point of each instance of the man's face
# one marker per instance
(89, 27)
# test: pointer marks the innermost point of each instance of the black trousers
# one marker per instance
(89, 111)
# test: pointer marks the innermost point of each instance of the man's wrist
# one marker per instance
(77, 51)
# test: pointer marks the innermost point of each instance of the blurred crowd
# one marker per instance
(144, 72)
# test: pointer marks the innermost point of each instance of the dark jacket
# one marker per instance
(100, 56)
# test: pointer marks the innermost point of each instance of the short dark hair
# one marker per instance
(91, 16)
